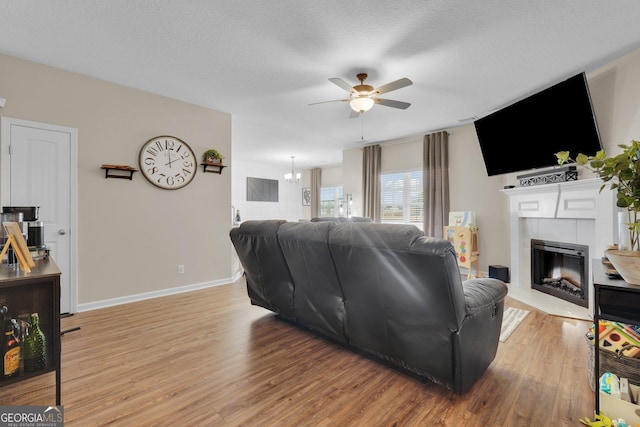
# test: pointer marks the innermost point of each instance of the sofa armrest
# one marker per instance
(476, 344)
(483, 292)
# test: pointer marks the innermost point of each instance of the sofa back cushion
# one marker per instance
(403, 292)
(317, 300)
(269, 283)
(341, 219)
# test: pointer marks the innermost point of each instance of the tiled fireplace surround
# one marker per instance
(572, 212)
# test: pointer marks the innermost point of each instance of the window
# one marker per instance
(402, 199)
(331, 201)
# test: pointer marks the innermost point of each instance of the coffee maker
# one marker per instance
(29, 214)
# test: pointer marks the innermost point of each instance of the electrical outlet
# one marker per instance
(180, 269)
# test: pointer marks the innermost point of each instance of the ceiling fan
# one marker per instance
(363, 96)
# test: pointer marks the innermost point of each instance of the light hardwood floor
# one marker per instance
(209, 358)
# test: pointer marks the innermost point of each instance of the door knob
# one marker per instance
(62, 232)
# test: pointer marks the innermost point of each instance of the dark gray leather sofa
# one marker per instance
(386, 291)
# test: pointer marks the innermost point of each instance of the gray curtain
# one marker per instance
(371, 161)
(316, 183)
(435, 182)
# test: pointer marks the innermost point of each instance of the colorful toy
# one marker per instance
(632, 330)
(465, 242)
(614, 336)
(600, 421)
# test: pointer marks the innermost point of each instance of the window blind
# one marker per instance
(402, 198)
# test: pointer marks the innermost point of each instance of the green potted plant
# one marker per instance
(622, 174)
(212, 156)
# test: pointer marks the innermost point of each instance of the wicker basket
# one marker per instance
(614, 362)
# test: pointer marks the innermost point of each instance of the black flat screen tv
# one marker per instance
(527, 134)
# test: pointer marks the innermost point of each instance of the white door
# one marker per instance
(39, 168)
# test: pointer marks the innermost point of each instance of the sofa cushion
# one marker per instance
(317, 300)
(269, 283)
(341, 219)
(403, 293)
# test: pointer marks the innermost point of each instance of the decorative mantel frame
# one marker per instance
(575, 200)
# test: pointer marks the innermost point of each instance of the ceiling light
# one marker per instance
(293, 176)
(361, 104)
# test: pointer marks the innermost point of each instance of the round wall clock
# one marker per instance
(167, 162)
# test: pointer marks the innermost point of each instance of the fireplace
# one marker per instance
(561, 269)
(576, 212)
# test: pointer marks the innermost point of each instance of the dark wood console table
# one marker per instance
(614, 300)
(36, 292)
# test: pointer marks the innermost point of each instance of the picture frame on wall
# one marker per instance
(306, 196)
(262, 190)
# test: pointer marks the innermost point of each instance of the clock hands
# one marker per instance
(171, 161)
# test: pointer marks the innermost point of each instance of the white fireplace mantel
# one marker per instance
(573, 210)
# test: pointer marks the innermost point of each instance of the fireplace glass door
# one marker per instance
(561, 269)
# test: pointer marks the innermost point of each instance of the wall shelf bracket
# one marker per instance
(213, 167)
(118, 171)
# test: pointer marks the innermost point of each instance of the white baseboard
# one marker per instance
(154, 294)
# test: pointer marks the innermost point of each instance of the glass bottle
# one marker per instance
(34, 351)
(10, 351)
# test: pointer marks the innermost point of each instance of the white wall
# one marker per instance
(352, 179)
(289, 205)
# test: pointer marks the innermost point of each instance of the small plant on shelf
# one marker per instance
(212, 157)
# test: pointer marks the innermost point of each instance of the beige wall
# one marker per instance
(332, 176)
(470, 188)
(614, 91)
(131, 234)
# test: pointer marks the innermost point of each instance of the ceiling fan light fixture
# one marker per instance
(363, 96)
(361, 104)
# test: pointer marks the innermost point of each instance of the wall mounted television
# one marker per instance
(526, 134)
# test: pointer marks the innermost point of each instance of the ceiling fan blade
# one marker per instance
(392, 103)
(325, 102)
(339, 82)
(398, 84)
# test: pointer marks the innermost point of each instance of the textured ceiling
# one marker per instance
(265, 61)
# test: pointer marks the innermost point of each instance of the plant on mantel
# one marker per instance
(622, 173)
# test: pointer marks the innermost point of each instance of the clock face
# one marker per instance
(167, 162)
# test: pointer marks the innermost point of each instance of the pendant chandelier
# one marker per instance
(293, 176)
